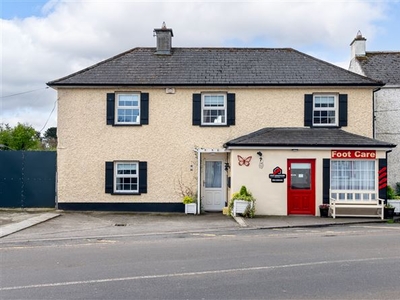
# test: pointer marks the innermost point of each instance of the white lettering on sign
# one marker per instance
(353, 154)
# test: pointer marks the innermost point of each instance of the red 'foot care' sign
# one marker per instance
(353, 154)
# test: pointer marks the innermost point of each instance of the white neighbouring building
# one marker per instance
(382, 66)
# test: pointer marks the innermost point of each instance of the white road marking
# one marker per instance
(82, 282)
(377, 227)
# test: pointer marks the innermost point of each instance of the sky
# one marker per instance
(45, 40)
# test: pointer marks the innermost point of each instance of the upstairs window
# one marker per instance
(127, 109)
(213, 109)
(325, 109)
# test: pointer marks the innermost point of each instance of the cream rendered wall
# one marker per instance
(167, 143)
(271, 198)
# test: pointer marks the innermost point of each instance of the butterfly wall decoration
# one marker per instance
(244, 161)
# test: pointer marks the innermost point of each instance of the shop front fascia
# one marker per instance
(295, 179)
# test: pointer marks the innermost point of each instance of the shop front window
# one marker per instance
(353, 175)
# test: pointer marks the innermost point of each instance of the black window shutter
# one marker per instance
(110, 108)
(326, 180)
(308, 110)
(231, 109)
(196, 111)
(382, 178)
(109, 177)
(144, 108)
(143, 177)
(342, 110)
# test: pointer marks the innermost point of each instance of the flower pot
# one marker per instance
(240, 206)
(388, 213)
(190, 208)
(324, 212)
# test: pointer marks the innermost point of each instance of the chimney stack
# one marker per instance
(358, 46)
(164, 40)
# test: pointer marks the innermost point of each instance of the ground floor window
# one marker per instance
(126, 177)
(352, 175)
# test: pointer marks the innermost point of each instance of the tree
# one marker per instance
(21, 137)
(50, 137)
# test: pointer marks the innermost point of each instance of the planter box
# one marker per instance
(388, 213)
(324, 212)
(395, 204)
(190, 208)
(239, 206)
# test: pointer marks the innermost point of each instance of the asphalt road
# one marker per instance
(345, 262)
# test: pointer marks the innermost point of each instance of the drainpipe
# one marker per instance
(373, 111)
(198, 180)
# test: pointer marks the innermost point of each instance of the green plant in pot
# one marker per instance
(188, 199)
(243, 195)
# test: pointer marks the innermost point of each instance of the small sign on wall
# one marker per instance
(277, 175)
(244, 161)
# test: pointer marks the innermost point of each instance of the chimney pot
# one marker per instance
(358, 46)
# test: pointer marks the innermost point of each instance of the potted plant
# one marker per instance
(242, 202)
(190, 204)
(186, 190)
(388, 211)
(393, 197)
(324, 210)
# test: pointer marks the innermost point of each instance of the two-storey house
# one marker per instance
(383, 66)
(139, 128)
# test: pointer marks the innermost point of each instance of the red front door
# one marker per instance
(301, 187)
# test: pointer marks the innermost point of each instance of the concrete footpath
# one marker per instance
(66, 224)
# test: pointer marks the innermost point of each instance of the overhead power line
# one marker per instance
(27, 92)
(54, 106)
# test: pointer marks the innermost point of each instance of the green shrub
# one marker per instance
(390, 192)
(187, 200)
(398, 188)
(245, 195)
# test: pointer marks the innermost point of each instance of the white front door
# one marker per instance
(214, 189)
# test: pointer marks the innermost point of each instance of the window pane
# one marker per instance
(213, 116)
(324, 101)
(353, 175)
(126, 184)
(300, 176)
(128, 115)
(128, 100)
(214, 101)
(213, 174)
(126, 168)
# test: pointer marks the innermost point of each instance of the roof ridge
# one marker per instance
(386, 52)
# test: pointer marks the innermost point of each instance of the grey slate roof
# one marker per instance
(214, 66)
(381, 66)
(305, 137)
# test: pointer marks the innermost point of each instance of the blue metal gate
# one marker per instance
(27, 179)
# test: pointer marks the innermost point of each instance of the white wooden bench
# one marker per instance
(349, 200)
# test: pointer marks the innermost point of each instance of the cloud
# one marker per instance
(71, 35)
